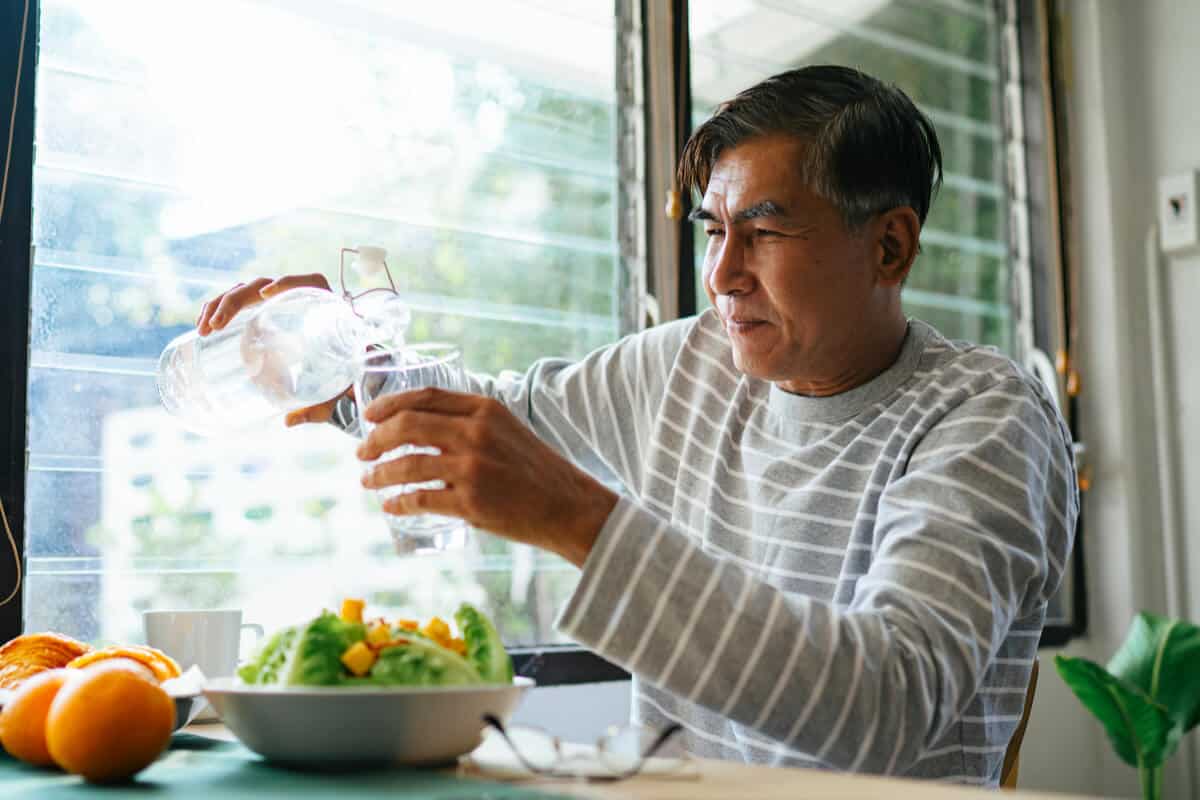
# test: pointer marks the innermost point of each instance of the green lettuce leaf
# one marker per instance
(316, 658)
(266, 665)
(484, 648)
(420, 662)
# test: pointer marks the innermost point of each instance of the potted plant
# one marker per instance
(1149, 695)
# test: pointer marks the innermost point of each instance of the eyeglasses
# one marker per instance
(619, 754)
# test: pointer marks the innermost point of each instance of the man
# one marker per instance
(839, 530)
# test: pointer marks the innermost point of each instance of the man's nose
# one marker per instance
(728, 273)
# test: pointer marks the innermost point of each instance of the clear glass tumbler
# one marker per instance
(391, 371)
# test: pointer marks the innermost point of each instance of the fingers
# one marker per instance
(218, 311)
(433, 501)
(206, 312)
(313, 280)
(413, 469)
(421, 428)
(431, 398)
(312, 414)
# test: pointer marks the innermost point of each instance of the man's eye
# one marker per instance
(763, 233)
(710, 232)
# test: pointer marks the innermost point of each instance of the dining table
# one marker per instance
(242, 774)
(205, 761)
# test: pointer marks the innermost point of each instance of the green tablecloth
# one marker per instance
(198, 767)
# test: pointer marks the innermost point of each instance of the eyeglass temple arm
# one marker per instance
(495, 722)
(661, 740)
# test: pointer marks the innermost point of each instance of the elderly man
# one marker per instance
(839, 531)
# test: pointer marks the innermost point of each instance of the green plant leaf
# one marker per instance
(1162, 658)
(1138, 728)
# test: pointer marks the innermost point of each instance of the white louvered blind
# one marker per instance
(943, 53)
(183, 147)
(946, 55)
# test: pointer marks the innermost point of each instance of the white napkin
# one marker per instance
(189, 684)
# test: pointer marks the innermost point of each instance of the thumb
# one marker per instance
(313, 280)
(304, 416)
(271, 289)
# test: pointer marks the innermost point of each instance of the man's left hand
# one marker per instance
(499, 476)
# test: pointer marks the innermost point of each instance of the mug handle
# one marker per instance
(259, 633)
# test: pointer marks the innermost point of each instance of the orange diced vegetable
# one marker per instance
(359, 658)
(438, 630)
(378, 634)
(458, 645)
(352, 609)
(393, 643)
(408, 624)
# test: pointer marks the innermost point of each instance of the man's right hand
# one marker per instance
(217, 313)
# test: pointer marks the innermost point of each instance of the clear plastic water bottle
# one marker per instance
(298, 349)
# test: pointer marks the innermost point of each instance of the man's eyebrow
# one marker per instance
(767, 208)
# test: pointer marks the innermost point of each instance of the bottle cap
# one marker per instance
(370, 259)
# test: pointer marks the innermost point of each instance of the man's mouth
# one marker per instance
(743, 325)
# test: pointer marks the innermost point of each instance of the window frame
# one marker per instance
(18, 67)
(1050, 278)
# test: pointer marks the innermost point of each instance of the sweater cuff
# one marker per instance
(602, 595)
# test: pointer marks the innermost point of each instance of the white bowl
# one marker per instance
(323, 728)
(187, 707)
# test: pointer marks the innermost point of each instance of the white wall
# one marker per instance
(579, 713)
(1134, 115)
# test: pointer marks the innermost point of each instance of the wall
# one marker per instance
(579, 713)
(1134, 116)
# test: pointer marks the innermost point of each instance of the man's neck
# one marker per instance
(870, 359)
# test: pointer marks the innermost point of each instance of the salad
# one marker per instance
(345, 650)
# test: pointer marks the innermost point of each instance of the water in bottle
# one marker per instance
(298, 349)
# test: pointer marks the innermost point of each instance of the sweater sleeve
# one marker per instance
(974, 535)
(596, 411)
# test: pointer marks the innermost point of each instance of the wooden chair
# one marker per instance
(1012, 754)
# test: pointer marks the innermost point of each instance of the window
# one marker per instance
(944, 55)
(182, 149)
(974, 68)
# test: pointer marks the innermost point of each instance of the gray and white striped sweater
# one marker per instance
(855, 582)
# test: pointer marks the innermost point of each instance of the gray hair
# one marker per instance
(868, 148)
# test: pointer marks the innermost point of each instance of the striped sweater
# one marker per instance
(855, 582)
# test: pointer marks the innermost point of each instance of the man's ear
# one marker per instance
(898, 236)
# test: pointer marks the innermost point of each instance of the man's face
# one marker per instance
(794, 287)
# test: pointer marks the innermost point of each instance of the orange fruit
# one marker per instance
(23, 720)
(136, 667)
(109, 723)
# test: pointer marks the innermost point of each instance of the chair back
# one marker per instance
(1012, 754)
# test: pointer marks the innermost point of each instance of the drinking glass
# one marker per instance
(387, 371)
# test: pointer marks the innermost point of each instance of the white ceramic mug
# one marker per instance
(210, 640)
